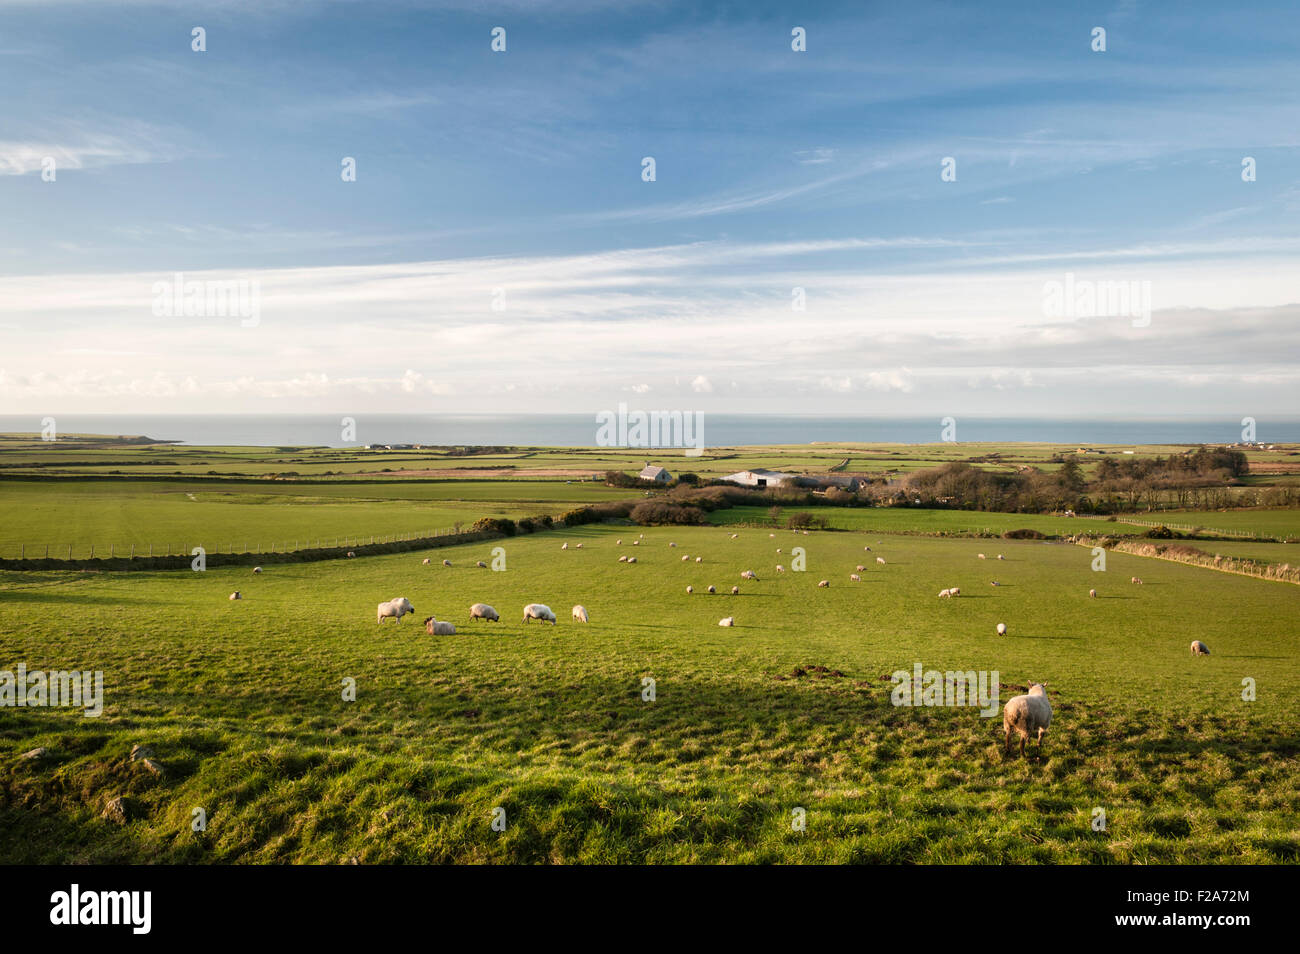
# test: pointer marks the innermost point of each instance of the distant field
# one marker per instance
(1271, 523)
(241, 702)
(184, 515)
(918, 520)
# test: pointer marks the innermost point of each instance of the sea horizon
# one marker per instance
(581, 430)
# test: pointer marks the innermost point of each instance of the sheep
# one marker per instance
(734, 535)
(699, 559)
(631, 559)
(983, 557)
(727, 621)
(778, 549)
(1199, 648)
(1001, 557)
(446, 563)
(257, 569)
(713, 589)
(671, 544)
(1137, 581)
(780, 568)
(394, 609)
(1092, 594)
(580, 614)
(577, 546)
(880, 560)
(823, 584)
(434, 628)
(943, 593)
(540, 612)
(481, 565)
(749, 575)
(860, 568)
(619, 541)
(735, 591)
(636, 543)
(426, 561)
(955, 591)
(994, 583)
(235, 595)
(685, 558)
(1027, 715)
(485, 612)
(855, 578)
(1002, 629)
(690, 589)
(866, 549)
(564, 546)
(351, 554)
(622, 559)
(773, 535)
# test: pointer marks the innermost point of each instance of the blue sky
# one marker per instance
(515, 178)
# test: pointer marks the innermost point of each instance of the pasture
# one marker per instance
(242, 703)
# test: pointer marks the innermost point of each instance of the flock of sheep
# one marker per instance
(1028, 715)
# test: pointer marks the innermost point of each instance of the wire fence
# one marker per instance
(1184, 527)
(92, 551)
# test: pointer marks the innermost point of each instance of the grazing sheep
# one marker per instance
(749, 575)
(867, 549)
(257, 569)
(995, 583)
(699, 559)
(780, 568)
(1199, 648)
(823, 584)
(483, 611)
(943, 593)
(577, 546)
(426, 561)
(983, 557)
(735, 591)
(1027, 715)
(564, 546)
(1001, 557)
(580, 614)
(855, 578)
(671, 544)
(1137, 581)
(446, 563)
(880, 560)
(540, 612)
(619, 541)
(636, 543)
(955, 591)
(690, 589)
(734, 535)
(622, 559)
(435, 628)
(1002, 629)
(394, 609)
(1092, 594)
(778, 549)
(631, 559)
(860, 568)
(771, 534)
(481, 565)
(351, 554)
(235, 595)
(727, 621)
(685, 558)
(713, 589)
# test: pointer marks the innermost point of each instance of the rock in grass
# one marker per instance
(121, 810)
(35, 754)
(139, 752)
(154, 766)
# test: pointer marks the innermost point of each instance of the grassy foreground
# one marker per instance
(242, 703)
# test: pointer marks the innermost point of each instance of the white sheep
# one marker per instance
(855, 578)
(1137, 581)
(780, 568)
(1028, 716)
(636, 543)
(484, 612)
(699, 559)
(727, 621)
(577, 546)
(867, 549)
(685, 558)
(446, 563)
(257, 569)
(713, 589)
(778, 549)
(955, 591)
(435, 628)
(622, 559)
(426, 561)
(481, 565)
(564, 546)
(1001, 557)
(735, 591)
(943, 593)
(351, 554)
(983, 557)
(540, 612)
(394, 609)
(1199, 648)
(235, 595)
(580, 614)
(1092, 594)
(619, 541)
(880, 560)
(734, 535)
(749, 575)
(1002, 629)
(861, 567)
(690, 589)
(671, 544)
(823, 584)
(631, 559)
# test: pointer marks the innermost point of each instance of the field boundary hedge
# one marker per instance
(1191, 556)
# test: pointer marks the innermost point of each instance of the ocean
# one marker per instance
(580, 430)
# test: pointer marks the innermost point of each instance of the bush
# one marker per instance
(494, 525)
(1023, 535)
(1162, 533)
(662, 512)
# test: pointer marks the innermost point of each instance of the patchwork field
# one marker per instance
(242, 703)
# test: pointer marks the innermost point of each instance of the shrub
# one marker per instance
(1023, 535)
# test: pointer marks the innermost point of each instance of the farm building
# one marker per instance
(656, 474)
(761, 478)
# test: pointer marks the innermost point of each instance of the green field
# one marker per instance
(918, 520)
(241, 702)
